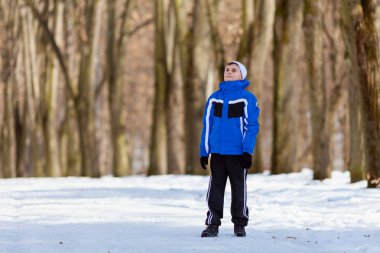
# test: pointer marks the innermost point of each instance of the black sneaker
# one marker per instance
(239, 231)
(210, 231)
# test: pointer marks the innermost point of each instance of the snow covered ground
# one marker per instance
(288, 213)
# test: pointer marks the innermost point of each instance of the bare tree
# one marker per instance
(317, 90)
(70, 154)
(355, 163)
(213, 9)
(10, 49)
(115, 61)
(287, 31)
(360, 24)
(194, 51)
(199, 70)
(261, 46)
(30, 142)
(158, 147)
(84, 98)
(247, 25)
(333, 77)
(50, 125)
(175, 119)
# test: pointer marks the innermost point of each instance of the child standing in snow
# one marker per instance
(230, 127)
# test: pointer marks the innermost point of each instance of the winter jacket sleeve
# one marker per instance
(252, 124)
(207, 126)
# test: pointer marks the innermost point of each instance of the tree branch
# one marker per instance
(215, 38)
(139, 26)
(54, 45)
(124, 16)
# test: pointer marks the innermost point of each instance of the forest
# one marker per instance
(118, 87)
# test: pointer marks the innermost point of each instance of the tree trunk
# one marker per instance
(366, 41)
(333, 75)
(51, 95)
(70, 142)
(263, 34)
(245, 46)
(175, 119)
(68, 132)
(317, 89)
(176, 155)
(85, 105)
(355, 163)
(9, 52)
(34, 151)
(183, 59)
(158, 146)
(198, 70)
(115, 60)
(193, 46)
(8, 138)
(287, 33)
(262, 38)
(219, 60)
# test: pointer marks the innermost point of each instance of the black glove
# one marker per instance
(246, 161)
(204, 162)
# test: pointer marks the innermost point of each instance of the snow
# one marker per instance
(288, 213)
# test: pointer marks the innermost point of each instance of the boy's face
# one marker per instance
(232, 73)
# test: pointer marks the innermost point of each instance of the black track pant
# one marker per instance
(223, 166)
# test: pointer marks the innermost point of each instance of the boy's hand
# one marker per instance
(204, 162)
(246, 161)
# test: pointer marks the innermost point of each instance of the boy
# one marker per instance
(230, 126)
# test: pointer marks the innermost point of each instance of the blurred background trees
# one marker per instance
(96, 87)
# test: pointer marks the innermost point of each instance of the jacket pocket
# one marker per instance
(236, 110)
(218, 108)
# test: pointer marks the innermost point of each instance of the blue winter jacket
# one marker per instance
(230, 120)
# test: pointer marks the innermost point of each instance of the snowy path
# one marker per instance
(289, 213)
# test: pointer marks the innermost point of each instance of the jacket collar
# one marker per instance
(233, 85)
